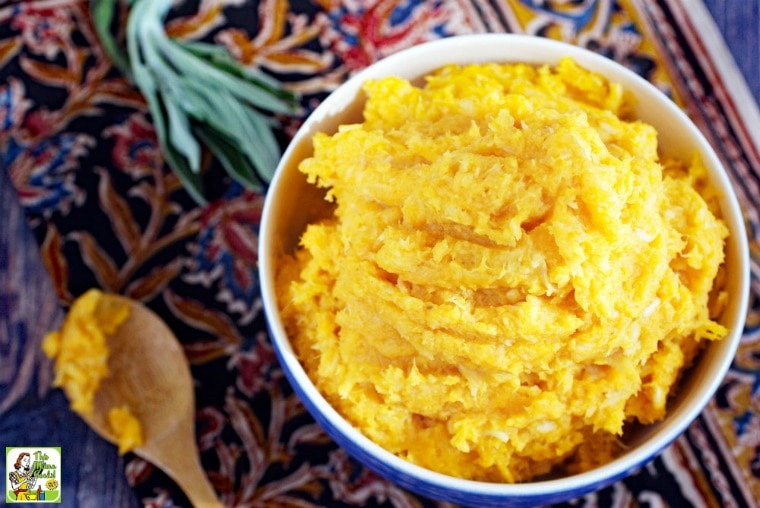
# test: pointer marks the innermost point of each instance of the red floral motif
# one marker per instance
(137, 471)
(357, 485)
(135, 149)
(226, 251)
(44, 31)
(363, 32)
(209, 423)
(257, 367)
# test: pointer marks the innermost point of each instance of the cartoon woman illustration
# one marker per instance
(22, 480)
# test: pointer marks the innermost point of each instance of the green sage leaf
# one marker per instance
(236, 165)
(103, 13)
(198, 93)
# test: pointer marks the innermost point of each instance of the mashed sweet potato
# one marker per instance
(126, 427)
(512, 273)
(80, 353)
(79, 350)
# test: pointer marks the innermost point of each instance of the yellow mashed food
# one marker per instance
(511, 274)
(79, 348)
(79, 351)
(126, 427)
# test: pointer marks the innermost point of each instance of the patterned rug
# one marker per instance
(81, 153)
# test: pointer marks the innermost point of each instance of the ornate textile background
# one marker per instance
(80, 151)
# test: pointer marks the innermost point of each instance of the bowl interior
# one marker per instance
(292, 203)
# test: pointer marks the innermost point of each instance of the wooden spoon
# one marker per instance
(150, 374)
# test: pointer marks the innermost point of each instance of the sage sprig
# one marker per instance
(197, 93)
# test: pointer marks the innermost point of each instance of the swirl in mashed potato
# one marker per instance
(512, 272)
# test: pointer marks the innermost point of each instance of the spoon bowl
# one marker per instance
(149, 373)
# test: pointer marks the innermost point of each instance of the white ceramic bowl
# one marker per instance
(291, 203)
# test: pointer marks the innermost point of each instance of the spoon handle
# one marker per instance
(184, 467)
(195, 484)
(176, 453)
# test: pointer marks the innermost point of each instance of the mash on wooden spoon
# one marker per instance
(512, 272)
(79, 351)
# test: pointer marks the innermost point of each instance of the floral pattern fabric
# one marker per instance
(80, 150)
